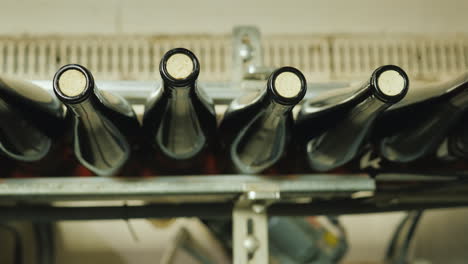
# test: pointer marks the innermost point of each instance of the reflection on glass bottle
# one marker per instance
(256, 128)
(455, 146)
(179, 119)
(104, 125)
(416, 127)
(333, 128)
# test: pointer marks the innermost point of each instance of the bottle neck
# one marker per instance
(368, 109)
(85, 108)
(180, 135)
(339, 144)
(277, 108)
(178, 91)
(100, 144)
(261, 143)
(274, 112)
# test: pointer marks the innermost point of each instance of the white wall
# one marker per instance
(217, 16)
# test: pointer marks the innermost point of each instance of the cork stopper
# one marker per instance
(72, 82)
(287, 84)
(391, 83)
(179, 66)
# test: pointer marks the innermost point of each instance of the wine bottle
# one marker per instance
(31, 124)
(179, 119)
(31, 120)
(333, 128)
(104, 125)
(256, 129)
(416, 127)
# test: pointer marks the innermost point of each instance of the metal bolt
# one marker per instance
(394, 201)
(251, 244)
(258, 208)
(246, 49)
(251, 195)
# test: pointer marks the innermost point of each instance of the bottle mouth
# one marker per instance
(179, 67)
(287, 85)
(390, 83)
(73, 83)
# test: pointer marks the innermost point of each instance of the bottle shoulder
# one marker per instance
(107, 106)
(30, 96)
(246, 101)
(157, 103)
(255, 115)
(115, 103)
(330, 106)
(243, 108)
(333, 101)
(423, 94)
(205, 99)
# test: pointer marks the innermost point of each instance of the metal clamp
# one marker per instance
(250, 224)
(247, 54)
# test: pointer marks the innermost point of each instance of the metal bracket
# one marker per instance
(250, 224)
(246, 51)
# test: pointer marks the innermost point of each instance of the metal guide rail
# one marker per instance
(180, 189)
(308, 194)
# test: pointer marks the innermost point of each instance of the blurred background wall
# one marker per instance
(219, 16)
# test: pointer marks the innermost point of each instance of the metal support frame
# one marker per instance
(44, 232)
(247, 52)
(247, 56)
(398, 251)
(250, 224)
